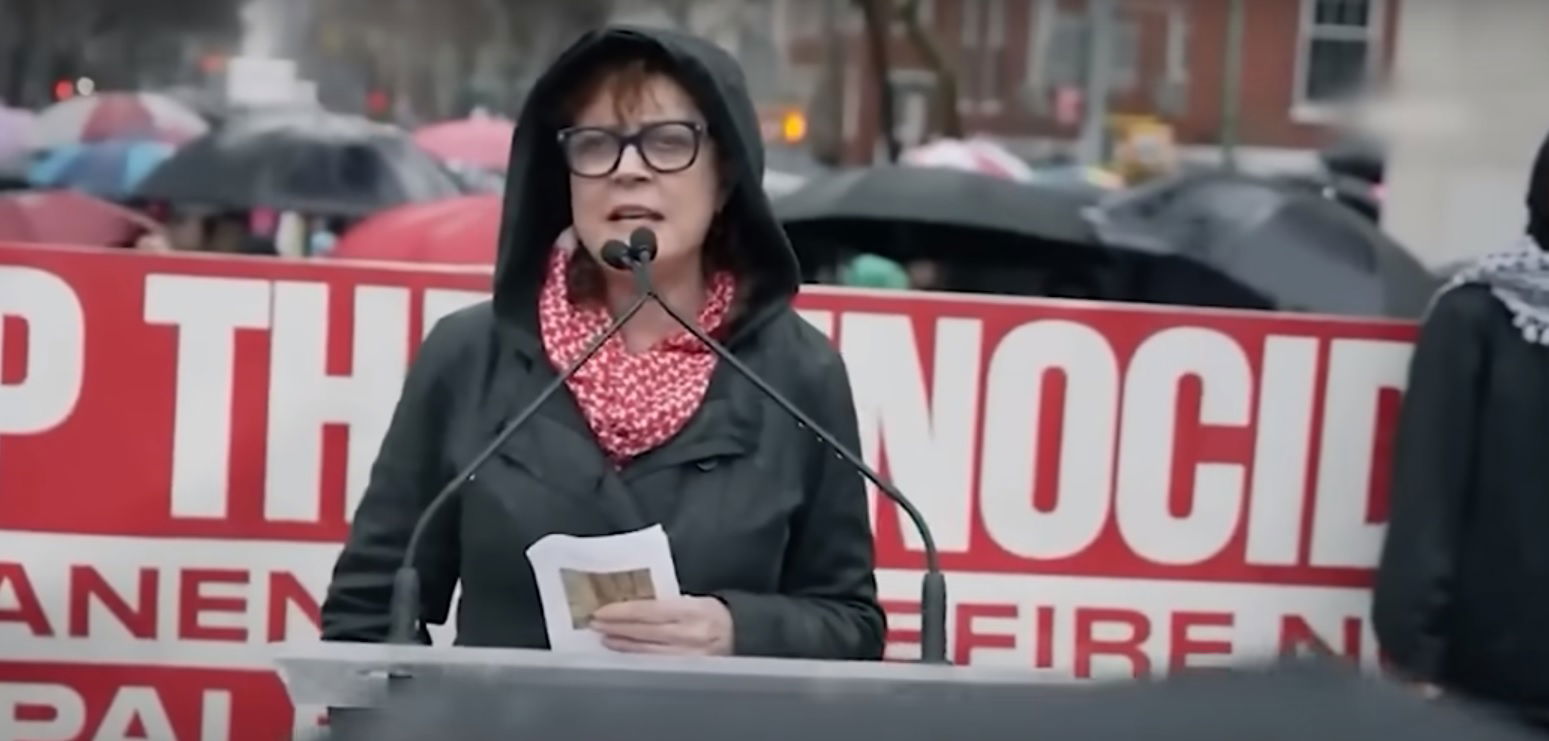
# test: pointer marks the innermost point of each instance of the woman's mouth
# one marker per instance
(634, 213)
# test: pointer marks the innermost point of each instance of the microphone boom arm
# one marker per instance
(933, 631)
(404, 609)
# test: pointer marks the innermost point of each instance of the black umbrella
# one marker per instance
(1304, 252)
(1362, 196)
(310, 161)
(985, 235)
(938, 196)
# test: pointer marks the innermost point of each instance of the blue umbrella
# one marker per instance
(108, 169)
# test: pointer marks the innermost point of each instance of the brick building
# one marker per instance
(1022, 62)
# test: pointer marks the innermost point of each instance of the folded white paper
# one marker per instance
(576, 575)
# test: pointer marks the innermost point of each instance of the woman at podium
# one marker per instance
(768, 530)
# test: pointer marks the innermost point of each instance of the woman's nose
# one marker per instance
(632, 165)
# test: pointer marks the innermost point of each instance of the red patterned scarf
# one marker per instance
(633, 402)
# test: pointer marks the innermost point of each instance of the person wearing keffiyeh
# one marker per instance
(1461, 600)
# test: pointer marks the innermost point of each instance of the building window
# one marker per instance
(1065, 61)
(1338, 52)
(913, 91)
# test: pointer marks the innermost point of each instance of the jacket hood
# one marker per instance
(1538, 198)
(537, 197)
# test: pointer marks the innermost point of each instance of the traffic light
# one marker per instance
(377, 102)
(64, 90)
(793, 126)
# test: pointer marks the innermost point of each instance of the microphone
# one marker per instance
(616, 255)
(933, 587)
(639, 251)
(404, 608)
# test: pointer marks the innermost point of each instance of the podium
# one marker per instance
(390, 692)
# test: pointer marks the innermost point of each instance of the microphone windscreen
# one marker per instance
(616, 254)
(642, 244)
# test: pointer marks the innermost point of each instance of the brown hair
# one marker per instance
(626, 80)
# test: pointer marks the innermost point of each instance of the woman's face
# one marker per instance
(667, 181)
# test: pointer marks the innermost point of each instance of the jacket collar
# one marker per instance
(557, 447)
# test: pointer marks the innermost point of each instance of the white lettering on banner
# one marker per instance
(1147, 441)
(1061, 625)
(215, 721)
(51, 384)
(823, 320)
(132, 712)
(929, 434)
(131, 707)
(206, 312)
(133, 598)
(1067, 628)
(439, 303)
(1013, 413)
(1283, 425)
(66, 718)
(303, 396)
(1358, 371)
(913, 426)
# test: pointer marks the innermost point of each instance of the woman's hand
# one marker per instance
(698, 626)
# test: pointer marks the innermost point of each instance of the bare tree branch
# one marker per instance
(876, 36)
(944, 114)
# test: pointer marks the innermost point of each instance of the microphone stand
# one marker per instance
(933, 587)
(404, 608)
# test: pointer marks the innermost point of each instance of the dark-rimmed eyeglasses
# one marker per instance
(666, 147)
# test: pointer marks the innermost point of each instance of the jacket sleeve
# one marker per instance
(1432, 464)
(407, 473)
(827, 606)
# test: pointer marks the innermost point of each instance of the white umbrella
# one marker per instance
(974, 155)
(113, 116)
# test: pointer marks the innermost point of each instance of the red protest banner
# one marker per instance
(1117, 489)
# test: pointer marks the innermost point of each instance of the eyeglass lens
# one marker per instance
(666, 147)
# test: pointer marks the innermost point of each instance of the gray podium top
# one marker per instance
(452, 694)
(606, 696)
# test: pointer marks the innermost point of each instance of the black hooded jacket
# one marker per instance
(1538, 198)
(1462, 589)
(757, 513)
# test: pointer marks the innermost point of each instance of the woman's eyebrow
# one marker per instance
(646, 121)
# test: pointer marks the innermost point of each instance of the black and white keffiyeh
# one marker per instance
(1519, 278)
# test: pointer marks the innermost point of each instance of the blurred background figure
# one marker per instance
(926, 275)
(873, 271)
(1459, 602)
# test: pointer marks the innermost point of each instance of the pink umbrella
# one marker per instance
(116, 116)
(480, 141)
(69, 217)
(974, 155)
(463, 230)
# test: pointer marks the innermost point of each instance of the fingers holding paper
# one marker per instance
(699, 626)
